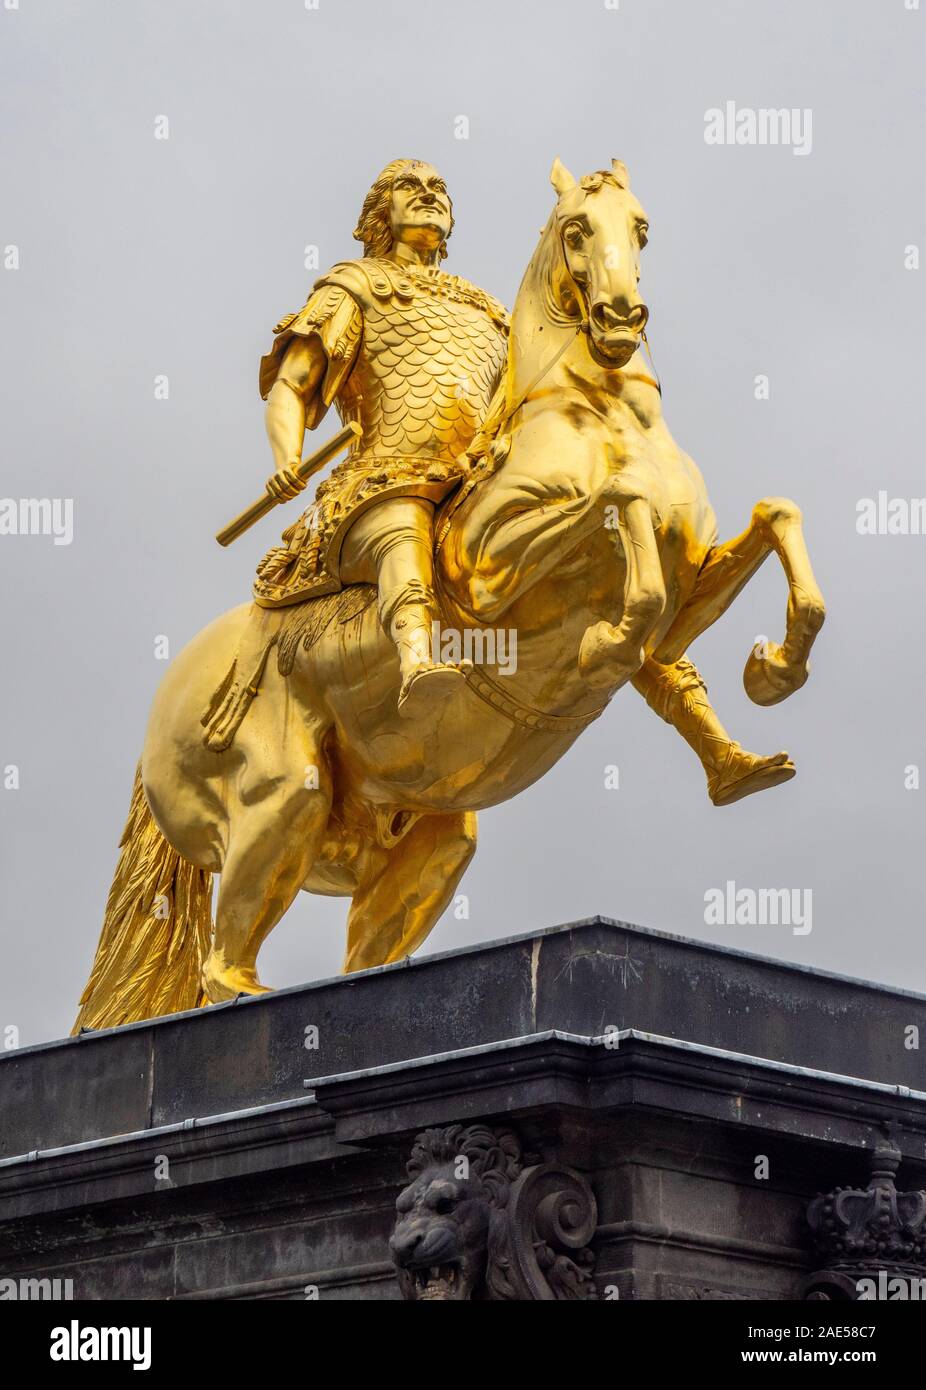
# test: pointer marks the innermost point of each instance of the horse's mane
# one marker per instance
(548, 269)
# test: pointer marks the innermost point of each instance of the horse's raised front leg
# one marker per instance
(610, 655)
(778, 670)
(520, 523)
(407, 888)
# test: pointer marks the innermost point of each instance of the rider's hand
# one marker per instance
(285, 483)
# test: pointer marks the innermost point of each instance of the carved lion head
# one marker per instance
(450, 1214)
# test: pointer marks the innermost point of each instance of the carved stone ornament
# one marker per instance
(872, 1240)
(476, 1223)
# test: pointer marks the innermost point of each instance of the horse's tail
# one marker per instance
(156, 931)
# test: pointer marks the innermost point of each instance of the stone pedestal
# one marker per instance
(686, 1101)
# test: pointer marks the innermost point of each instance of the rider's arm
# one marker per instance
(301, 373)
(311, 357)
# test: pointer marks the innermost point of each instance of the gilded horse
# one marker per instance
(581, 527)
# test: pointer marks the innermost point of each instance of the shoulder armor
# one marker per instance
(285, 322)
(364, 279)
(330, 312)
(371, 280)
(498, 313)
(492, 306)
(322, 303)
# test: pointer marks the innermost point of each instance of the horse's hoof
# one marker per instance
(427, 688)
(605, 660)
(221, 984)
(768, 680)
(744, 773)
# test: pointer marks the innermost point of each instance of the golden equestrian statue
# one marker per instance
(504, 477)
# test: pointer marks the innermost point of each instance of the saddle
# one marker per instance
(301, 626)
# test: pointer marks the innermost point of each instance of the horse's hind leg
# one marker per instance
(407, 888)
(275, 831)
(777, 671)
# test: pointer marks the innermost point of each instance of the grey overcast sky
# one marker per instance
(139, 257)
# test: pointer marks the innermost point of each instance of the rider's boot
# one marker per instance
(397, 537)
(679, 696)
(426, 683)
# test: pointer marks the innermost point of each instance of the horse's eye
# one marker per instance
(444, 1206)
(573, 233)
(643, 233)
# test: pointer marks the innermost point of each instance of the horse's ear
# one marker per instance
(619, 171)
(561, 178)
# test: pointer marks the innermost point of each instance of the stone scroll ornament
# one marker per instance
(872, 1239)
(477, 1222)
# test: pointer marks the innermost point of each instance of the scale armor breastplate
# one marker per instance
(432, 351)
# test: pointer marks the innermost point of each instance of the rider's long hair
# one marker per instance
(373, 227)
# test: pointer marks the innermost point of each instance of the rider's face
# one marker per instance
(420, 210)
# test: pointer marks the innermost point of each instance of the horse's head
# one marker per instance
(602, 230)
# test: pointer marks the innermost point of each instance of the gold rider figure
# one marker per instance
(412, 355)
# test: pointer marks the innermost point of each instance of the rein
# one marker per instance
(649, 353)
(581, 327)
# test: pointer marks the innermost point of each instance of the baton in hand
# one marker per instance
(305, 469)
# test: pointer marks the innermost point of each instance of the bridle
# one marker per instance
(582, 326)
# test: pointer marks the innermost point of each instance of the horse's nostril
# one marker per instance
(603, 316)
(606, 318)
